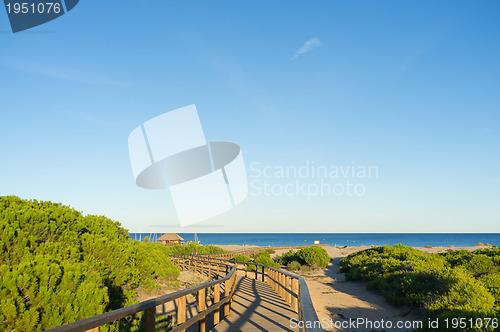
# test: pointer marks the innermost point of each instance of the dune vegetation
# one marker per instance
(58, 266)
(262, 257)
(305, 259)
(459, 287)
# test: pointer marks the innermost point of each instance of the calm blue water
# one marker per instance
(351, 239)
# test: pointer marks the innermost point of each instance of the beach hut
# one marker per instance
(170, 238)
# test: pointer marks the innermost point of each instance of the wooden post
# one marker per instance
(210, 269)
(216, 300)
(288, 281)
(227, 291)
(280, 278)
(256, 270)
(181, 310)
(233, 278)
(262, 274)
(218, 270)
(285, 286)
(201, 307)
(277, 283)
(294, 299)
(149, 319)
(246, 269)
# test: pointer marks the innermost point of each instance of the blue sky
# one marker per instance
(409, 87)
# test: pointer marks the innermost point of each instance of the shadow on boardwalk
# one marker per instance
(256, 307)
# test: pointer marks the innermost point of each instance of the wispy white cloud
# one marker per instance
(62, 73)
(307, 47)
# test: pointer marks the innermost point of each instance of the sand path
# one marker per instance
(340, 302)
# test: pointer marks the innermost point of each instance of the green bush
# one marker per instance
(446, 285)
(289, 257)
(187, 249)
(58, 266)
(294, 266)
(314, 255)
(241, 258)
(305, 269)
(491, 282)
(266, 260)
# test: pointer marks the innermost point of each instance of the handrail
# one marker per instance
(149, 308)
(296, 294)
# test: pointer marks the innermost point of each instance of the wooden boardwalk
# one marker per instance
(234, 301)
(256, 307)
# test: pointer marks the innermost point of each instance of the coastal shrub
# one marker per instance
(266, 260)
(294, 266)
(41, 292)
(58, 266)
(478, 262)
(241, 258)
(445, 285)
(261, 253)
(314, 255)
(305, 269)
(464, 293)
(288, 257)
(187, 249)
(491, 282)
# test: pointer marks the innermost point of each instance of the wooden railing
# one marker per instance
(292, 288)
(214, 269)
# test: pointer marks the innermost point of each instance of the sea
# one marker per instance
(336, 239)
